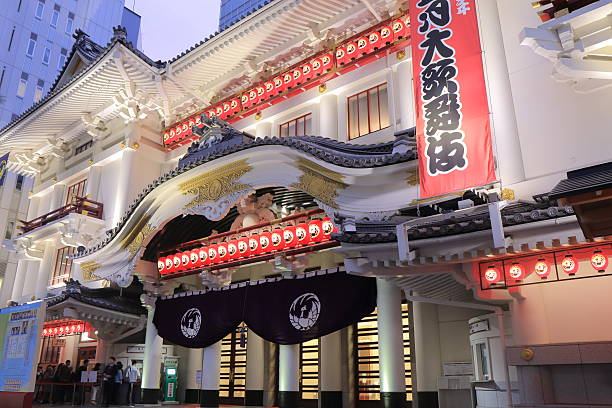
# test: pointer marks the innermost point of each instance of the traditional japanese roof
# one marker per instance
(584, 180)
(125, 300)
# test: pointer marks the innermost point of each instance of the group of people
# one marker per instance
(114, 384)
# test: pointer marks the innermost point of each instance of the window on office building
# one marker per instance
(62, 58)
(23, 84)
(368, 111)
(46, 56)
(40, 8)
(19, 6)
(10, 226)
(296, 127)
(63, 265)
(70, 23)
(10, 44)
(38, 92)
(55, 15)
(19, 182)
(31, 45)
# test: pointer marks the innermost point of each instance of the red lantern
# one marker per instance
(279, 84)
(516, 271)
(169, 264)
(374, 40)
(328, 62)
(161, 265)
(213, 256)
(315, 229)
(542, 268)
(177, 133)
(194, 258)
(492, 275)
(219, 111)
(278, 242)
(289, 236)
(222, 251)
(55, 330)
(307, 71)
(341, 56)
(243, 248)
(245, 101)
(599, 261)
(569, 265)
(232, 249)
(166, 138)
(203, 254)
(80, 327)
(44, 332)
(363, 46)
(261, 93)
(254, 247)
(61, 330)
(253, 97)
(328, 228)
(297, 77)
(317, 66)
(185, 260)
(176, 260)
(400, 30)
(227, 109)
(234, 106)
(270, 92)
(302, 234)
(386, 35)
(265, 242)
(351, 50)
(171, 136)
(288, 80)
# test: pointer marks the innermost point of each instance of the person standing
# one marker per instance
(132, 374)
(95, 389)
(77, 379)
(118, 381)
(63, 376)
(47, 388)
(108, 380)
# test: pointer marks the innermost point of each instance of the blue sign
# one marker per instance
(3, 167)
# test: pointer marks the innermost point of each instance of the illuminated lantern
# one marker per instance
(569, 265)
(328, 62)
(166, 137)
(386, 35)
(186, 129)
(161, 265)
(171, 138)
(176, 260)
(297, 77)
(289, 236)
(203, 254)
(599, 261)
(44, 332)
(265, 242)
(374, 40)
(270, 91)
(244, 99)
(169, 264)
(227, 109)
(317, 66)
(198, 119)
(211, 113)
(516, 271)
(363, 46)
(399, 29)
(177, 133)
(194, 258)
(55, 330)
(222, 251)
(328, 228)
(261, 93)
(185, 260)
(73, 329)
(234, 106)
(279, 84)
(288, 80)
(243, 248)
(278, 242)
(315, 230)
(61, 330)
(80, 327)
(253, 97)
(232, 249)
(302, 234)
(213, 257)
(542, 268)
(307, 73)
(351, 50)
(341, 56)
(254, 247)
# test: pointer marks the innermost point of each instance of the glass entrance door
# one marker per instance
(233, 366)
(309, 373)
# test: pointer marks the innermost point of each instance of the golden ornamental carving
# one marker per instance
(507, 194)
(215, 184)
(136, 237)
(88, 270)
(320, 182)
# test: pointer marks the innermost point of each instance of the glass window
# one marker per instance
(63, 265)
(31, 45)
(10, 226)
(23, 83)
(11, 39)
(300, 126)
(62, 58)
(46, 56)
(309, 369)
(368, 111)
(19, 6)
(70, 23)
(40, 8)
(55, 16)
(19, 183)
(38, 93)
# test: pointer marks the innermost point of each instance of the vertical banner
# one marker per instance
(3, 168)
(20, 335)
(453, 129)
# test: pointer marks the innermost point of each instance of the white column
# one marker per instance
(289, 375)
(254, 370)
(390, 343)
(93, 182)
(328, 116)
(263, 129)
(152, 361)
(7, 284)
(102, 351)
(426, 346)
(44, 274)
(29, 286)
(330, 379)
(211, 365)
(6, 195)
(58, 197)
(405, 95)
(194, 363)
(505, 131)
(123, 184)
(20, 276)
(33, 208)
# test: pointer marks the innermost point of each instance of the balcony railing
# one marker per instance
(78, 205)
(557, 8)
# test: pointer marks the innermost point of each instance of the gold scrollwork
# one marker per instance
(135, 238)
(320, 182)
(88, 270)
(215, 184)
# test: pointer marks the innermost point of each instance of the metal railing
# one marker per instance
(78, 205)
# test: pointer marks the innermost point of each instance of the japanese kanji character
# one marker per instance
(434, 44)
(446, 153)
(438, 13)
(437, 77)
(442, 113)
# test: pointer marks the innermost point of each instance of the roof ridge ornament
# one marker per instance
(119, 33)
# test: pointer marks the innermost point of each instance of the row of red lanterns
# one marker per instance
(314, 67)
(542, 268)
(64, 330)
(277, 240)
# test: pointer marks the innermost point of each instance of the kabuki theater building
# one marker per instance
(356, 203)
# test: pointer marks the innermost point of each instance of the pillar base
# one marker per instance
(254, 398)
(150, 395)
(427, 399)
(393, 399)
(288, 399)
(191, 395)
(330, 399)
(209, 398)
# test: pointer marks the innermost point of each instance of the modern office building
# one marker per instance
(343, 204)
(235, 10)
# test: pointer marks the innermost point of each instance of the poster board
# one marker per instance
(20, 337)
